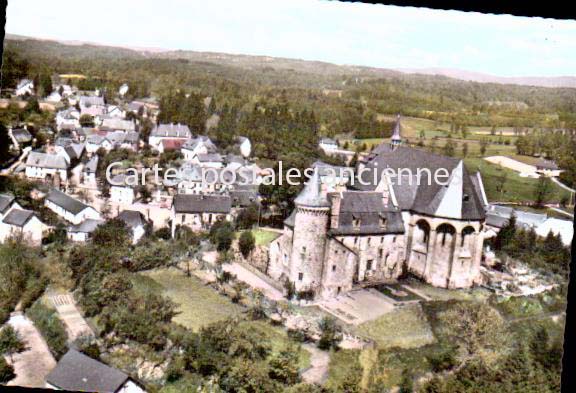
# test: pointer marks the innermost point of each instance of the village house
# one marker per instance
(167, 145)
(136, 222)
(115, 124)
(83, 231)
(89, 172)
(69, 208)
(7, 202)
(120, 191)
(115, 112)
(19, 137)
(96, 141)
(123, 90)
(22, 223)
(72, 152)
(199, 212)
(92, 105)
(77, 372)
(25, 87)
(547, 168)
(54, 97)
(168, 131)
(200, 145)
(328, 144)
(51, 167)
(68, 117)
(375, 231)
(124, 140)
(208, 160)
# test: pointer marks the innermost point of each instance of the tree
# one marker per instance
(449, 148)
(330, 334)
(246, 243)
(10, 341)
(407, 382)
(221, 235)
(465, 149)
(112, 234)
(86, 120)
(542, 191)
(6, 371)
(506, 234)
(284, 366)
(476, 328)
(483, 146)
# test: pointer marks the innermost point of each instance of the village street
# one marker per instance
(33, 365)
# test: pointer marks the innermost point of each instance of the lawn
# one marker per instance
(405, 327)
(198, 304)
(443, 294)
(264, 237)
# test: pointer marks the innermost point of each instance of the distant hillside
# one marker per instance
(253, 62)
(542, 81)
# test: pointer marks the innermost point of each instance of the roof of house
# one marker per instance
(328, 141)
(210, 157)
(459, 198)
(132, 218)
(43, 160)
(87, 226)
(65, 201)
(171, 131)
(78, 372)
(244, 198)
(91, 100)
(115, 123)
(546, 164)
(192, 144)
(191, 203)
(23, 83)
(22, 135)
(18, 217)
(91, 165)
(172, 144)
(370, 213)
(497, 216)
(5, 202)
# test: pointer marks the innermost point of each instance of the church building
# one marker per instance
(372, 232)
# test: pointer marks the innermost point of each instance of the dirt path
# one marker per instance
(76, 325)
(253, 280)
(564, 186)
(33, 365)
(319, 362)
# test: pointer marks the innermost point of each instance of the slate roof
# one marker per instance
(65, 201)
(78, 372)
(328, 141)
(132, 218)
(423, 198)
(210, 157)
(18, 217)
(115, 123)
(91, 165)
(498, 216)
(190, 203)
(22, 135)
(87, 226)
(546, 164)
(311, 195)
(91, 100)
(192, 144)
(243, 198)
(171, 131)
(43, 160)
(369, 209)
(5, 202)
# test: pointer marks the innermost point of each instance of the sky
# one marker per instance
(340, 33)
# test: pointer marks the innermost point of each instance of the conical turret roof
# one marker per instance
(312, 195)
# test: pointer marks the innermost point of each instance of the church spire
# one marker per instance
(396, 138)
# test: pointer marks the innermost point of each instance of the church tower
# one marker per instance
(310, 232)
(396, 139)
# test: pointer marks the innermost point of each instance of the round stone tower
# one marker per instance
(310, 231)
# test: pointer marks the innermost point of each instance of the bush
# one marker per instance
(445, 360)
(6, 371)
(246, 243)
(51, 328)
(34, 289)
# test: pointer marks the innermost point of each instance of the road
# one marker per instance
(564, 186)
(33, 365)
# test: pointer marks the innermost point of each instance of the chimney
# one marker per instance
(336, 199)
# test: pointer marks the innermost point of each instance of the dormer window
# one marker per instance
(356, 221)
(466, 197)
(382, 221)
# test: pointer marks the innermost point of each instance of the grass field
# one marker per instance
(404, 327)
(264, 237)
(516, 188)
(198, 304)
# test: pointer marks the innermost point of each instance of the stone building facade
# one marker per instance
(373, 232)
